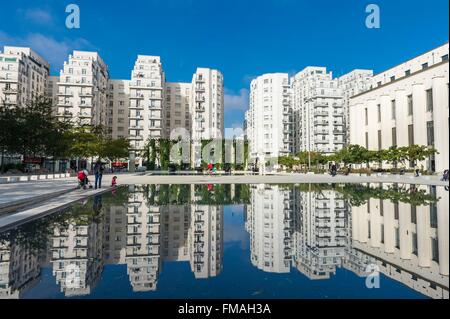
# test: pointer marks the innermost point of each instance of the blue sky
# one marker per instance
(241, 38)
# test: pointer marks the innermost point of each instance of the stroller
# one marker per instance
(83, 180)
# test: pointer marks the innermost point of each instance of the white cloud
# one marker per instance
(40, 16)
(54, 51)
(236, 101)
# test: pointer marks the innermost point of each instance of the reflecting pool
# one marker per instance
(236, 241)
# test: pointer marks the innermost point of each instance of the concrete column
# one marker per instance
(442, 231)
(401, 117)
(372, 124)
(423, 236)
(355, 222)
(419, 110)
(389, 228)
(386, 131)
(404, 230)
(440, 118)
(375, 227)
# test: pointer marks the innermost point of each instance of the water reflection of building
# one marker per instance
(269, 222)
(408, 243)
(205, 237)
(320, 233)
(77, 255)
(19, 269)
(143, 240)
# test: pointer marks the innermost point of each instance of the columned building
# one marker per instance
(82, 89)
(23, 76)
(406, 105)
(319, 113)
(269, 118)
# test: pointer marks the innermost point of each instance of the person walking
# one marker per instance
(417, 170)
(98, 172)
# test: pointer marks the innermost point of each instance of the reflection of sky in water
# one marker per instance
(248, 260)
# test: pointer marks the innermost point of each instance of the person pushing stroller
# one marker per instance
(83, 180)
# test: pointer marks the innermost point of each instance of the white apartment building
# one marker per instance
(146, 109)
(353, 83)
(207, 105)
(118, 108)
(269, 118)
(407, 104)
(270, 225)
(319, 114)
(178, 106)
(82, 89)
(409, 243)
(23, 75)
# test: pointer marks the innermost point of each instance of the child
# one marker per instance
(114, 181)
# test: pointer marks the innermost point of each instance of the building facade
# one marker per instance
(178, 106)
(406, 105)
(23, 76)
(319, 114)
(118, 108)
(82, 89)
(269, 118)
(352, 83)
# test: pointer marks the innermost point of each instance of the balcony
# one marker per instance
(285, 102)
(65, 104)
(10, 91)
(321, 113)
(325, 141)
(64, 114)
(136, 137)
(321, 132)
(200, 109)
(137, 96)
(136, 107)
(337, 113)
(85, 94)
(88, 105)
(65, 93)
(136, 116)
(199, 89)
(321, 122)
(200, 129)
(338, 123)
(136, 127)
(338, 132)
(199, 79)
(199, 99)
(84, 115)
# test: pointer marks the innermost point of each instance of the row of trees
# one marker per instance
(356, 154)
(34, 131)
(158, 153)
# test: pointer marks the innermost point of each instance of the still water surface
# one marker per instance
(236, 241)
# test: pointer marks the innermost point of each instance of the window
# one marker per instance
(407, 72)
(392, 78)
(411, 134)
(379, 140)
(393, 110)
(367, 140)
(445, 58)
(366, 116)
(379, 112)
(410, 104)
(429, 100)
(413, 214)
(394, 136)
(424, 66)
(430, 133)
(434, 249)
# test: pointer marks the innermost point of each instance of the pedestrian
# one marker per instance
(445, 176)
(333, 170)
(416, 170)
(98, 172)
